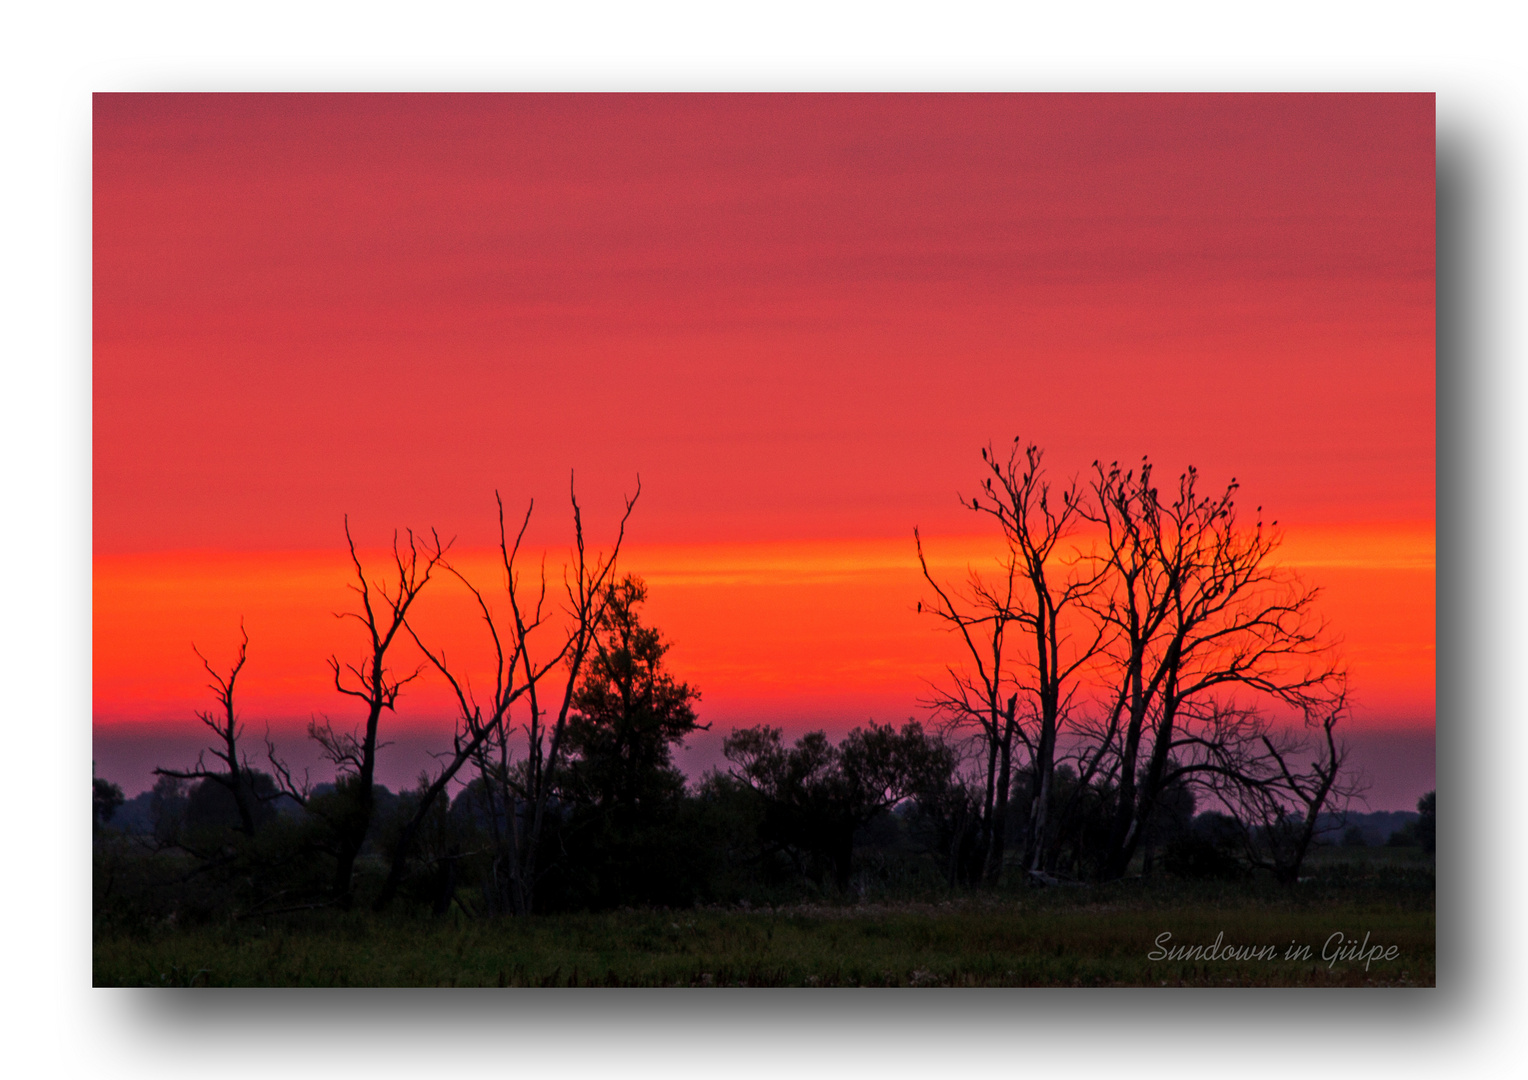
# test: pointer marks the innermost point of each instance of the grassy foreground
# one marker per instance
(1099, 936)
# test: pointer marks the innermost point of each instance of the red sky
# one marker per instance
(796, 317)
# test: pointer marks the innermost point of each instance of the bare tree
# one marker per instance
(384, 606)
(522, 790)
(1253, 768)
(1038, 591)
(236, 776)
(973, 693)
(1060, 640)
(1198, 611)
(475, 725)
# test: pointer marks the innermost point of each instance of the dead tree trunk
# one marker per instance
(973, 696)
(1198, 608)
(236, 776)
(1042, 588)
(527, 789)
(384, 609)
(998, 847)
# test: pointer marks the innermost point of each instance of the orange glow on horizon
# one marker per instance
(797, 628)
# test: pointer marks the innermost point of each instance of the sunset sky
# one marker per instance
(798, 318)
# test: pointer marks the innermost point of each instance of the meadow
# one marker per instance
(1099, 935)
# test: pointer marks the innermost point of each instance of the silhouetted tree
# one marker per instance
(514, 677)
(1037, 591)
(628, 712)
(949, 819)
(1422, 832)
(525, 788)
(1172, 816)
(974, 693)
(817, 795)
(105, 798)
(1079, 825)
(1210, 848)
(384, 607)
(212, 806)
(167, 810)
(1060, 642)
(1252, 766)
(1197, 611)
(1427, 822)
(235, 776)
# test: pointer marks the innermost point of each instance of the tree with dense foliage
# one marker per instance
(1423, 832)
(167, 809)
(817, 795)
(212, 807)
(1427, 822)
(624, 836)
(628, 712)
(105, 799)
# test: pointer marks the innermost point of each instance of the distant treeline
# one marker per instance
(1395, 828)
(783, 822)
(138, 815)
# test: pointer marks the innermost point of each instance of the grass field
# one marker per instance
(1085, 936)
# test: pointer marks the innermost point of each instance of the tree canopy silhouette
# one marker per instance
(628, 712)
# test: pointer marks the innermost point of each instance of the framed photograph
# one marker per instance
(755, 540)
